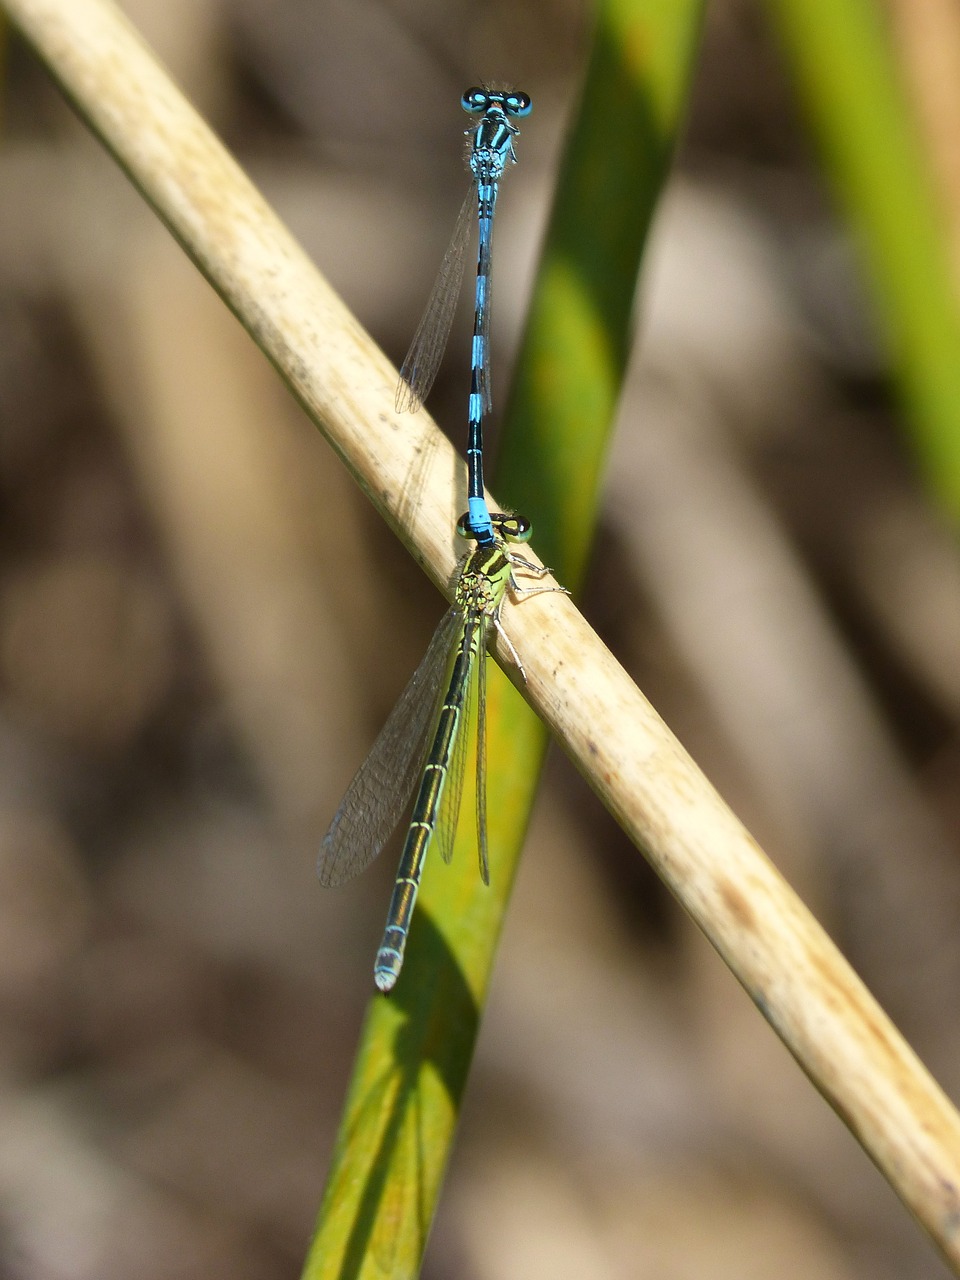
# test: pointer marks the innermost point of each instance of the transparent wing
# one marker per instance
(482, 854)
(486, 377)
(449, 815)
(379, 792)
(430, 340)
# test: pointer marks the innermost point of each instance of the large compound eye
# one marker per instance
(514, 528)
(517, 104)
(475, 101)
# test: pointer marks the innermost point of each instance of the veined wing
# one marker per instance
(379, 792)
(430, 340)
(486, 377)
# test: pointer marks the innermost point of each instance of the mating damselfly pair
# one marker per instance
(426, 734)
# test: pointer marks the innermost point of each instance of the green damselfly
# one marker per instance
(425, 736)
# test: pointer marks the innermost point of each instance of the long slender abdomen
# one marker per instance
(480, 392)
(425, 809)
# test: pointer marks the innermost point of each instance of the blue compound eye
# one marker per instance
(518, 104)
(475, 101)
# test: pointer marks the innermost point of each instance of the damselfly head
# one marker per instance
(510, 527)
(512, 102)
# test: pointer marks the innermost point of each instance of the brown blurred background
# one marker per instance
(203, 625)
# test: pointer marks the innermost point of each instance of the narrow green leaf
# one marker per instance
(579, 334)
(841, 56)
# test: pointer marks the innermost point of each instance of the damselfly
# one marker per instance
(425, 736)
(491, 151)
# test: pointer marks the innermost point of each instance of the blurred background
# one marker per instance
(203, 625)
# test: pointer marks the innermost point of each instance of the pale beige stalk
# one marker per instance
(800, 982)
(927, 42)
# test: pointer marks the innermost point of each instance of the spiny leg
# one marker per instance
(522, 593)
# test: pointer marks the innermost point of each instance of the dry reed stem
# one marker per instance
(798, 979)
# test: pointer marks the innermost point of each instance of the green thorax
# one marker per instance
(483, 580)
